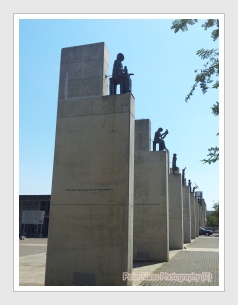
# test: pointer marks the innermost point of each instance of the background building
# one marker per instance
(34, 215)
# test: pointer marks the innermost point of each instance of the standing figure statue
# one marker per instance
(158, 138)
(183, 175)
(120, 76)
(190, 185)
(174, 166)
(195, 187)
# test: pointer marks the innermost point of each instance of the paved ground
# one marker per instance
(197, 265)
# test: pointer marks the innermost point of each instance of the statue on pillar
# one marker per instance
(195, 187)
(159, 138)
(190, 184)
(183, 176)
(174, 166)
(120, 76)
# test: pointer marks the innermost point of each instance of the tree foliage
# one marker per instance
(213, 218)
(206, 78)
(212, 156)
(212, 221)
(216, 209)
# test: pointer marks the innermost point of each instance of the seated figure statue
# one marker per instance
(159, 138)
(120, 76)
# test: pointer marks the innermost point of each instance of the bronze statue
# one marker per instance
(189, 184)
(183, 176)
(120, 76)
(158, 138)
(195, 187)
(174, 167)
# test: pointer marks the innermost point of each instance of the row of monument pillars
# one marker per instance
(151, 197)
(113, 200)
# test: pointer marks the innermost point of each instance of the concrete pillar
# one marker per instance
(91, 218)
(142, 135)
(83, 71)
(197, 217)
(202, 213)
(176, 238)
(186, 214)
(193, 216)
(151, 231)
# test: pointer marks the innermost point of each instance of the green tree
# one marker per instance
(206, 78)
(216, 209)
(213, 218)
(212, 221)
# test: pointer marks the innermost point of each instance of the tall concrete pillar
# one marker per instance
(193, 216)
(202, 213)
(186, 214)
(201, 208)
(142, 135)
(196, 217)
(176, 238)
(151, 226)
(91, 217)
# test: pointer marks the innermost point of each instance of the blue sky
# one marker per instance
(163, 64)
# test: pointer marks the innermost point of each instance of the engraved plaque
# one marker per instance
(144, 255)
(84, 279)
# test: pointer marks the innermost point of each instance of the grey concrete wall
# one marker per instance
(186, 214)
(142, 135)
(197, 217)
(193, 216)
(91, 218)
(176, 235)
(90, 239)
(151, 226)
(202, 213)
(83, 71)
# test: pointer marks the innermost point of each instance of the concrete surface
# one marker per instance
(176, 237)
(201, 257)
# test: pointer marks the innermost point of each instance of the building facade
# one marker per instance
(34, 215)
